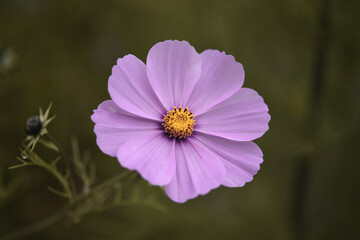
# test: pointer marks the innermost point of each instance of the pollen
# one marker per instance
(179, 123)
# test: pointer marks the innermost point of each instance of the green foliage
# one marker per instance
(80, 171)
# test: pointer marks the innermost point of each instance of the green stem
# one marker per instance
(67, 162)
(58, 176)
(104, 184)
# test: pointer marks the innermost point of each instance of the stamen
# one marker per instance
(179, 123)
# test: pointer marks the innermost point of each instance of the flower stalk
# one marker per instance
(72, 185)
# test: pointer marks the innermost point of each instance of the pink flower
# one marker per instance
(183, 120)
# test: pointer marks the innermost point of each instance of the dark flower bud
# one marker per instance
(33, 125)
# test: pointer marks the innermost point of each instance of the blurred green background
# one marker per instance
(303, 57)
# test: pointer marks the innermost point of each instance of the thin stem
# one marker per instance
(67, 162)
(58, 176)
(104, 184)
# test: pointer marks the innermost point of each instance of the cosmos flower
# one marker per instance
(183, 120)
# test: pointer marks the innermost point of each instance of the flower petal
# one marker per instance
(173, 69)
(241, 159)
(152, 155)
(242, 117)
(221, 77)
(197, 171)
(130, 89)
(113, 126)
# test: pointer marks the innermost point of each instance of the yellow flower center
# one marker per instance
(179, 123)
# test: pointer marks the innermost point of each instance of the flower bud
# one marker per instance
(33, 125)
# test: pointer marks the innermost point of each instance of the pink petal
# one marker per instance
(221, 77)
(197, 171)
(173, 68)
(130, 89)
(152, 155)
(113, 126)
(242, 117)
(241, 159)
